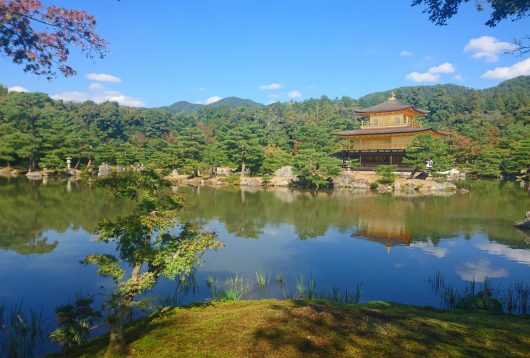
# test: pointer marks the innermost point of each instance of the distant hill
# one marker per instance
(230, 102)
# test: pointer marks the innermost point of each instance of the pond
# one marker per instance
(387, 246)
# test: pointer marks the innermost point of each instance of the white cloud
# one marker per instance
(103, 77)
(479, 271)
(405, 53)
(16, 89)
(113, 96)
(458, 77)
(520, 255)
(202, 89)
(488, 48)
(504, 73)
(73, 96)
(271, 87)
(432, 74)
(294, 94)
(96, 86)
(429, 248)
(210, 100)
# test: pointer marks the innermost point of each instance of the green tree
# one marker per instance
(488, 163)
(315, 169)
(519, 157)
(274, 159)
(387, 173)
(424, 147)
(146, 244)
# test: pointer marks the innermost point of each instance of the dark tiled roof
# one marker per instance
(386, 131)
(392, 105)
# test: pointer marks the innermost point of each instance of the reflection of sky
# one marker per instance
(493, 248)
(479, 271)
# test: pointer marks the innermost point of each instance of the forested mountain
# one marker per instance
(230, 102)
(490, 130)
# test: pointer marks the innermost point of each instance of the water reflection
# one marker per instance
(489, 210)
(28, 209)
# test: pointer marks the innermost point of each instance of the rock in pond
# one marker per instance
(525, 223)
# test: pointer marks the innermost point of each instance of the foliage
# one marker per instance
(75, 321)
(441, 11)
(39, 37)
(387, 174)
(145, 242)
(425, 147)
(38, 132)
(315, 169)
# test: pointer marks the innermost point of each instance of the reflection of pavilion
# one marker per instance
(389, 232)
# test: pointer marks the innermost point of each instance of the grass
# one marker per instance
(272, 328)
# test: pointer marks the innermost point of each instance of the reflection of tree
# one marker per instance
(488, 210)
(29, 209)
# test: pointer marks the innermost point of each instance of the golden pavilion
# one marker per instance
(387, 130)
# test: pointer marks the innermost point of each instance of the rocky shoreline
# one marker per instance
(283, 178)
(355, 180)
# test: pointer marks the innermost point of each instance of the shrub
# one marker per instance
(387, 174)
(232, 179)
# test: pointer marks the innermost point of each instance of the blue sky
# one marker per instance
(168, 50)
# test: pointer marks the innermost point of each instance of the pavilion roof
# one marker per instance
(391, 130)
(391, 105)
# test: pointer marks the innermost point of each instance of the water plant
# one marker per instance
(234, 289)
(19, 331)
(300, 286)
(210, 280)
(279, 278)
(75, 320)
(311, 288)
(262, 279)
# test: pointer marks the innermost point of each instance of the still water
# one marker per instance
(338, 238)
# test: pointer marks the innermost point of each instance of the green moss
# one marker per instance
(303, 328)
(232, 179)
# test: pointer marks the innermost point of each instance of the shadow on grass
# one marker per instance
(136, 329)
(325, 329)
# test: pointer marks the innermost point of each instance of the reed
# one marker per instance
(19, 332)
(262, 279)
(210, 280)
(300, 286)
(234, 289)
(278, 278)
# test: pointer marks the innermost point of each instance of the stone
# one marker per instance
(281, 181)
(223, 171)
(174, 173)
(409, 188)
(360, 184)
(463, 191)
(383, 188)
(104, 170)
(443, 187)
(525, 223)
(34, 175)
(286, 171)
(250, 181)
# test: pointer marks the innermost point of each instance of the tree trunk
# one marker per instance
(412, 174)
(243, 168)
(117, 345)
